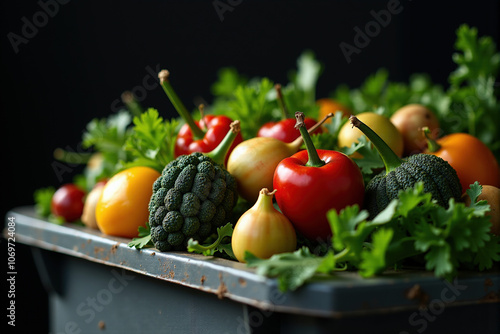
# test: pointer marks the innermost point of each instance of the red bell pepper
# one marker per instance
(312, 182)
(197, 136)
(284, 130)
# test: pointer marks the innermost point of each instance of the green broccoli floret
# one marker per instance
(202, 185)
(169, 176)
(190, 205)
(191, 226)
(207, 211)
(173, 221)
(193, 196)
(173, 200)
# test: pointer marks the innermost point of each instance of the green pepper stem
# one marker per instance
(281, 101)
(219, 153)
(432, 145)
(391, 160)
(295, 145)
(131, 103)
(314, 159)
(178, 105)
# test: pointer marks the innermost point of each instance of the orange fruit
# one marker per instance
(327, 105)
(123, 204)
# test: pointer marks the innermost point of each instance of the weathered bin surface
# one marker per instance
(97, 283)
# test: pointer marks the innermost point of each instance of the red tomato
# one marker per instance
(67, 202)
(285, 130)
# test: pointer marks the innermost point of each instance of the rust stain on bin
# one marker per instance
(491, 297)
(417, 293)
(203, 279)
(99, 253)
(487, 283)
(242, 282)
(222, 289)
(170, 275)
(98, 250)
(114, 248)
(165, 267)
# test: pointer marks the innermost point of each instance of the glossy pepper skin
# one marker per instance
(312, 182)
(216, 128)
(197, 136)
(285, 130)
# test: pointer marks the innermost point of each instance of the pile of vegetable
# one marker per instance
(386, 176)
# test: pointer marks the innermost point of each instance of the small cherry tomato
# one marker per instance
(67, 202)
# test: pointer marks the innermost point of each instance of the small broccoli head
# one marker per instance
(192, 197)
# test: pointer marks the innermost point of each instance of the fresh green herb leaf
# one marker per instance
(107, 137)
(141, 242)
(291, 269)
(43, 199)
(254, 102)
(373, 257)
(474, 105)
(143, 239)
(217, 245)
(250, 104)
(411, 225)
(152, 140)
(370, 160)
(228, 79)
(480, 207)
(488, 255)
(328, 140)
(477, 57)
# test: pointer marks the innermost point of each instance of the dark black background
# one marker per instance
(80, 60)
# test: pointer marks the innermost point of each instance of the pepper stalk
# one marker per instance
(432, 145)
(178, 105)
(281, 101)
(391, 160)
(219, 153)
(314, 159)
